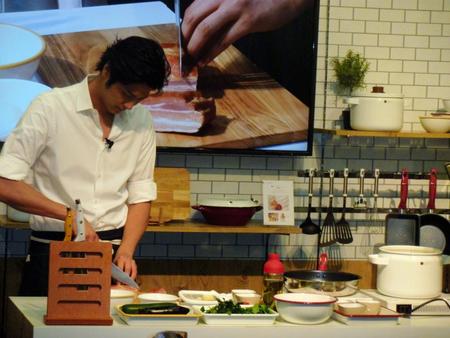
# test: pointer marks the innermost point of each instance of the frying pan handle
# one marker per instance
(432, 190)
(403, 189)
(378, 260)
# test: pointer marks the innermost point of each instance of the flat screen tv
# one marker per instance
(263, 87)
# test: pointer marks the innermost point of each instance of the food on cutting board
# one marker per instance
(180, 108)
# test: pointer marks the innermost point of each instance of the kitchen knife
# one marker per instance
(122, 277)
(178, 24)
(81, 234)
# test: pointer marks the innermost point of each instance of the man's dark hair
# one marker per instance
(136, 60)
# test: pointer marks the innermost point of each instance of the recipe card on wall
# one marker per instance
(278, 202)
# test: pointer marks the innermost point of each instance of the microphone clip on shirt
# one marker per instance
(108, 143)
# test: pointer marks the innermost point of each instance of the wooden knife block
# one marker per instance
(79, 284)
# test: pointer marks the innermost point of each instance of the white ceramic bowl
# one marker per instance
(435, 124)
(21, 53)
(121, 296)
(153, 297)
(248, 298)
(15, 97)
(304, 308)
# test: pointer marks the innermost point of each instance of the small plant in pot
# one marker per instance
(350, 72)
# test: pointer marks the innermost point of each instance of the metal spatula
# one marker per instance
(328, 233)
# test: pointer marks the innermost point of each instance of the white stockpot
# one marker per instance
(407, 271)
(376, 111)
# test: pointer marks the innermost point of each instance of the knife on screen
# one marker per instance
(178, 24)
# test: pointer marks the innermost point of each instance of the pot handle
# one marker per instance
(378, 260)
(198, 207)
(351, 100)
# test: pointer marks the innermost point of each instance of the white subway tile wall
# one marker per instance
(408, 45)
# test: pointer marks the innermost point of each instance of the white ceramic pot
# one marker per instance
(376, 111)
(406, 271)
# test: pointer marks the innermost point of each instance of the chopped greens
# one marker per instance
(229, 307)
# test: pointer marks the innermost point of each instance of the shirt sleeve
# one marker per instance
(141, 185)
(25, 143)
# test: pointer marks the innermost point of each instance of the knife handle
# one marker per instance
(68, 225)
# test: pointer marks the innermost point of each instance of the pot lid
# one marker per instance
(229, 203)
(410, 250)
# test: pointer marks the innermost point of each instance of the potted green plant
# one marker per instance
(350, 72)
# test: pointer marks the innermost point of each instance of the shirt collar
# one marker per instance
(84, 101)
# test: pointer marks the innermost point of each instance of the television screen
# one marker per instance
(255, 97)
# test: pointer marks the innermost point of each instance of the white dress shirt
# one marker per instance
(58, 148)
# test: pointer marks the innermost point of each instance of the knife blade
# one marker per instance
(122, 277)
(179, 38)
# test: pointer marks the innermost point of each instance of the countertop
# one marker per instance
(25, 320)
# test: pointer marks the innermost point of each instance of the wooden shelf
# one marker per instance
(360, 133)
(253, 227)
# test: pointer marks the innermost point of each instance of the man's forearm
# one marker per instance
(137, 220)
(24, 197)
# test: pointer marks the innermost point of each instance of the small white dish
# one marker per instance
(198, 297)
(165, 320)
(152, 297)
(351, 308)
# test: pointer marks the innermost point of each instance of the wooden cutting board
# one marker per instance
(253, 110)
(173, 201)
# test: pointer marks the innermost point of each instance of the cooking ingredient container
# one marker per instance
(273, 278)
(376, 111)
(407, 271)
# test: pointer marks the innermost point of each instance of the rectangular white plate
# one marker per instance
(188, 319)
(385, 316)
(238, 319)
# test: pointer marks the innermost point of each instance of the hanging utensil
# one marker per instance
(343, 231)
(378, 224)
(308, 226)
(402, 228)
(361, 202)
(328, 233)
(434, 228)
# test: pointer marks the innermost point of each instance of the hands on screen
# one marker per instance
(210, 26)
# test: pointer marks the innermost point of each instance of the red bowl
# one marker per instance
(232, 213)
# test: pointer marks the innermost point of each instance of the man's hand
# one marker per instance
(210, 26)
(126, 263)
(91, 235)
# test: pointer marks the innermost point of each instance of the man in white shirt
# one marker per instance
(90, 141)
